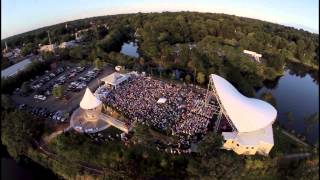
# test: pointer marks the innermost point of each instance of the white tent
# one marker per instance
(89, 101)
(114, 79)
(246, 114)
(161, 100)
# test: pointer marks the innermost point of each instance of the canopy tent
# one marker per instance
(161, 100)
(89, 101)
(246, 114)
(114, 79)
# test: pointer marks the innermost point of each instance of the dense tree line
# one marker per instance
(165, 38)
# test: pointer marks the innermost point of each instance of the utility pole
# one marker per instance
(50, 42)
(49, 37)
(6, 46)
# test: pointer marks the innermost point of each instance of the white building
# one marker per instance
(255, 55)
(250, 118)
(48, 48)
(91, 105)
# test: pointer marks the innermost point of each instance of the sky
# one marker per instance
(18, 16)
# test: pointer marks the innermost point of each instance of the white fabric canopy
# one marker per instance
(161, 100)
(89, 101)
(114, 78)
(246, 114)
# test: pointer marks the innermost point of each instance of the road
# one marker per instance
(297, 156)
(295, 138)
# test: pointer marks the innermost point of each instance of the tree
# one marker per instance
(267, 96)
(201, 78)
(25, 88)
(18, 129)
(27, 49)
(300, 49)
(98, 63)
(57, 91)
(210, 144)
(76, 53)
(187, 78)
(4, 62)
(83, 62)
(141, 132)
(6, 102)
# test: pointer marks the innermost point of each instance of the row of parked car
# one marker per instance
(47, 77)
(82, 81)
(58, 116)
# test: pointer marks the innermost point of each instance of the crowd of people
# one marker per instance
(182, 113)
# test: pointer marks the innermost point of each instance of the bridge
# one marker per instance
(115, 122)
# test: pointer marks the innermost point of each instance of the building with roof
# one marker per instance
(251, 119)
(48, 48)
(88, 117)
(91, 105)
(115, 79)
(16, 68)
(255, 55)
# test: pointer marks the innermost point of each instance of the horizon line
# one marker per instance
(310, 30)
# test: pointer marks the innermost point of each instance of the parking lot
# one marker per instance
(73, 84)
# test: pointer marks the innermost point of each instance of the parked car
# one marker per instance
(22, 106)
(16, 91)
(40, 97)
(52, 75)
(59, 70)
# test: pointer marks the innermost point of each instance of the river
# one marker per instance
(297, 101)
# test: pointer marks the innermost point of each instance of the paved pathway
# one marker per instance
(114, 122)
(295, 138)
(297, 156)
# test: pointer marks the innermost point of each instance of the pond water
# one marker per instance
(297, 102)
(130, 49)
(29, 170)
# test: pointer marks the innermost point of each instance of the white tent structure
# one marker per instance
(114, 79)
(251, 119)
(161, 100)
(91, 105)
